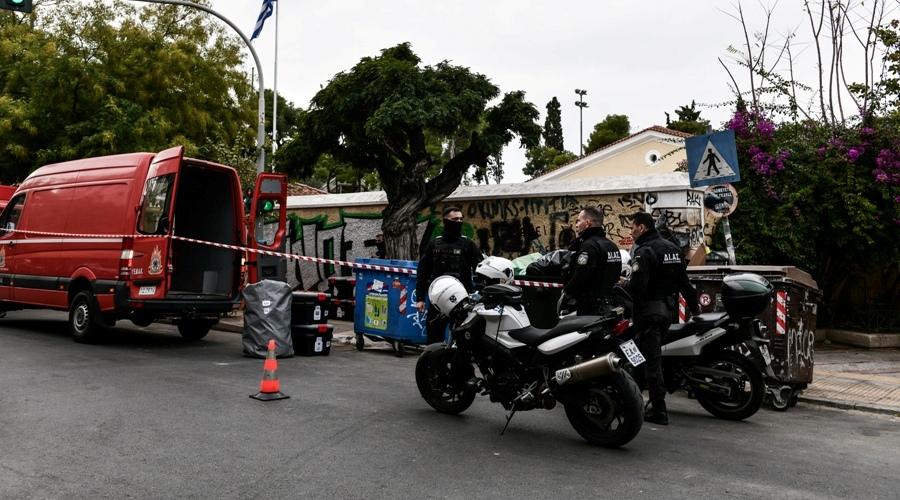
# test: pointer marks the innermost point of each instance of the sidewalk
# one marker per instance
(844, 376)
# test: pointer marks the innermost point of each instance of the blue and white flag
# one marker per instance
(267, 7)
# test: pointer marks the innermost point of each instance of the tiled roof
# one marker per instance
(297, 189)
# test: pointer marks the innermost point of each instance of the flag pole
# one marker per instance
(275, 88)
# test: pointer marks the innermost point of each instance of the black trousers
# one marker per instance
(650, 323)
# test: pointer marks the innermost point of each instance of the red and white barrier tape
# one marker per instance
(271, 253)
(538, 284)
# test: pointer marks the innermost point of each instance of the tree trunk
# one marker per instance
(405, 193)
(399, 228)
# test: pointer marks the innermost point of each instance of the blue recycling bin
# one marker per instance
(385, 307)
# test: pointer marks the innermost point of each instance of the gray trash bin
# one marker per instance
(267, 316)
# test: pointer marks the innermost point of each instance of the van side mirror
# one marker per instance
(162, 227)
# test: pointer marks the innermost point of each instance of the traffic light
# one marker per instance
(16, 5)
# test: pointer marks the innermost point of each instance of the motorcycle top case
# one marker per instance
(745, 295)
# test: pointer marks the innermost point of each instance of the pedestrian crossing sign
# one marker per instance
(712, 159)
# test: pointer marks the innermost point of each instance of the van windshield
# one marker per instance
(10, 216)
(155, 208)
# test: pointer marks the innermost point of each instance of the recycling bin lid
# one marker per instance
(769, 272)
(409, 264)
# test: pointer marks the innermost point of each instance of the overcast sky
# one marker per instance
(635, 58)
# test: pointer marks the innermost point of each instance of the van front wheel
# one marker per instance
(194, 329)
(84, 317)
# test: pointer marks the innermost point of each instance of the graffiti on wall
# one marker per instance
(509, 227)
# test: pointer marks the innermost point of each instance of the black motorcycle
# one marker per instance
(721, 359)
(577, 363)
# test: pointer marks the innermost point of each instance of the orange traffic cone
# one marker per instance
(268, 388)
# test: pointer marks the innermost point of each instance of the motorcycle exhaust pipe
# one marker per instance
(588, 370)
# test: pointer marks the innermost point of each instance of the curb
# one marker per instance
(850, 405)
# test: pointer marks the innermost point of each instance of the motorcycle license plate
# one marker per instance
(631, 351)
(765, 354)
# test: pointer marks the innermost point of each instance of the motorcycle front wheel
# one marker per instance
(443, 388)
(748, 389)
(608, 411)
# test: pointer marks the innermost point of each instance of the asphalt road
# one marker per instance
(147, 415)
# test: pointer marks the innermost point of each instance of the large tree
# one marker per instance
(610, 130)
(383, 115)
(82, 79)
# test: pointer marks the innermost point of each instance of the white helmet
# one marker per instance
(626, 263)
(446, 293)
(494, 270)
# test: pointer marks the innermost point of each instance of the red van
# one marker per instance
(136, 236)
(6, 193)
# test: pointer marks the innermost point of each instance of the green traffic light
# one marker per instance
(17, 5)
(268, 206)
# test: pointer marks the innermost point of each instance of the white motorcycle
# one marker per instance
(579, 363)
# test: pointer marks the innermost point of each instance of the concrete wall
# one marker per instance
(343, 226)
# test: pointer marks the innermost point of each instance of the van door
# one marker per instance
(8, 221)
(266, 228)
(150, 256)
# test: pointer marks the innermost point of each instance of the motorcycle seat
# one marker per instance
(536, 336)
(698, 324)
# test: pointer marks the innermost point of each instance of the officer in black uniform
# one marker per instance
(658, 275)
(452, 254)
(595, 266)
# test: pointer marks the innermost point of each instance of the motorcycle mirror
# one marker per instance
(623, 298)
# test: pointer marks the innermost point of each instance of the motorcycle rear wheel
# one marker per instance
(437, 385)
(608, 411)
(747, 394)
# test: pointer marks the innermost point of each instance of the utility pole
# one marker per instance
(581, 105)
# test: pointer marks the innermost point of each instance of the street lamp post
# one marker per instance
(261, 114)
(581, 105)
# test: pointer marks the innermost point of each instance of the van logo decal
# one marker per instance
(3, 256)
(155, 261)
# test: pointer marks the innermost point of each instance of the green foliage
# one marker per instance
(288, 118)
(81, 79)
(384, 116)
(544, 159)
(553, 133)
(688, 120)
(610, 130)
(824, 199)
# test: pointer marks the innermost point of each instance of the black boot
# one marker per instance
(657, 414)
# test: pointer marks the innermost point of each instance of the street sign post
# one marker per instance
(723, 199)
(712, 158)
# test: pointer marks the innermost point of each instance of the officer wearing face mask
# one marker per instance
(595, 266)
(452, 254)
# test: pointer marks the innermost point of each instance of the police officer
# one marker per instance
(452, 254)
(595, 266)
(658, 275)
